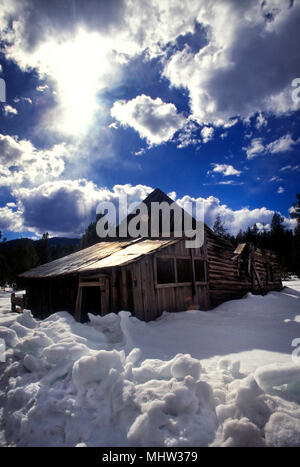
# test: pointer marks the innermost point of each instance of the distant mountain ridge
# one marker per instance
(53, 242)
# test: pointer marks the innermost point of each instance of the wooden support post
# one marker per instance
(104, 289)
(155, 270)
(77, 314)
(258, 279)
(193, 272)
(13, 303)
(254, 270)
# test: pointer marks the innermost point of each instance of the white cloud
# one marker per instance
(80, 50)
(229, 182)
(9, 110)
(133, 27)
(261, 121)
(10, 219)
(225, 78)
(24, 99)
(238, 73)
(280, 190)
(255, 148)
(140, 152)
(66, 207)
(283, 144)
(59, 206)
(187, 135)
(22, 163)
(231, 123)
(207, 133)
(292, 168)
(78, 66)
(234, 219)
(172, 195)
(42, 88)
(225, 169)
(153, 119)
(224, 182)
(275, 178)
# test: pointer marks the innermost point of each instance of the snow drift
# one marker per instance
(67, 384)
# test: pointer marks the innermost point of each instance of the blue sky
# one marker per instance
(103, 98)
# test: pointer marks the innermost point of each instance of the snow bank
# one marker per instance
(283, 430)
(117, 381)
(64, 384)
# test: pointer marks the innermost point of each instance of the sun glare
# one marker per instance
(80, 68)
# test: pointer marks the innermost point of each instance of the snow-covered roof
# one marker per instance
(100, 256)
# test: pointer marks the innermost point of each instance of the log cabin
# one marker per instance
(147, 275)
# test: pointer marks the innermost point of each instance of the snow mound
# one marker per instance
(283, 430)
(71, 384)
(280, 380)
(58, 389)
(242, 432)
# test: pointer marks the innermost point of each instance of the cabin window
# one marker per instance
(184, 270)
(177, 271)
(165, 270)
(200, 275)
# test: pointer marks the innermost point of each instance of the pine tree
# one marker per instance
(43, 248)
(219, 227)
(90, 236)
(277, 227)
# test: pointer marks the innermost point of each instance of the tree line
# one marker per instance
(285, 242)
(20, 255)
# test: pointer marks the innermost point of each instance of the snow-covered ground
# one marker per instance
(221, 378)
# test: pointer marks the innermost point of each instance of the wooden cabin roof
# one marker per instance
(99, 256)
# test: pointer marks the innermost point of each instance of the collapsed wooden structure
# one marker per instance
(149, 275)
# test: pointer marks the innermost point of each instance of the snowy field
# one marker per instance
(220, 378)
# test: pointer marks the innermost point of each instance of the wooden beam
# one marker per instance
(13, 303)
(89, 284)
(77, 313)
(193, 272)
(105, 297)
(258, 279)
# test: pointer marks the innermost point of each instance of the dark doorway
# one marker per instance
(91, 302)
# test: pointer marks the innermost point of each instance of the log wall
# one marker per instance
(230, 276)
(226, 282)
